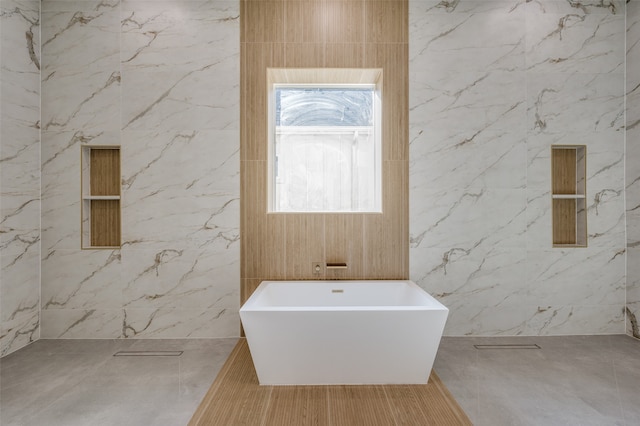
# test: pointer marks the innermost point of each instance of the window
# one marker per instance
(325, 153)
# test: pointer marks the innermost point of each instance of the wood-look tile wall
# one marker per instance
(329, 34)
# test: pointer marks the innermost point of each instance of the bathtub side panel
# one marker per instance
(343, 347)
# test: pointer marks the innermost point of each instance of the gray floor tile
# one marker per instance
(80, 382)
(571, 380)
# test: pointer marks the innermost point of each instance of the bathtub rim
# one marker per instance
(252, 303)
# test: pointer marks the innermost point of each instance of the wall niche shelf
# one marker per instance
(101, 227)
(568, 194)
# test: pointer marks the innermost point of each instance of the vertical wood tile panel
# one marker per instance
(332, 34)
(304, 21)
(386, 22)
(568, 178)
(274, 267)
(256, 58)
(343, 55)
(344, 243)
(304, 244)
(395, 96)
(261, 21)
(105, 223)
(262, 236)
(386, 236)
(375, 247)
(251, 214)
(304, 55)
(563, 167)
(248, 286)
(264, 251)
(105, 172)
(564, 222)
(345, 21)
(403, 194)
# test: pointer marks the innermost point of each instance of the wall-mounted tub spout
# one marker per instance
(336, 265)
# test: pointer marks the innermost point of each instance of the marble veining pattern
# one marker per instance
(80, 50)
(19, 174)
(202, 42)
(575, 37)
(493, 85)
(161, 80)
(197, 207)
(632, 178)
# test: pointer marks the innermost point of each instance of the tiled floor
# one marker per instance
(571, 380)
(575, 380)
(80, 382)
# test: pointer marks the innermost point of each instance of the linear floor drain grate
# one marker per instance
(148, 353)
(524, 346)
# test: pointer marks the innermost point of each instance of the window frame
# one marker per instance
(327, 78)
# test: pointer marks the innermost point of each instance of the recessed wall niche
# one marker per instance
(568, 193)
(100, 196)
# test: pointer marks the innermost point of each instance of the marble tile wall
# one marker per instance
(19, 173)
(160, 79)
(493, 85)
(632, 157)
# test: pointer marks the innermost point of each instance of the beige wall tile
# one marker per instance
(247, 287)
(261, 236)
(256, 58)
(331, 34)
(345, 21)
(392, 58)
(304, 55)
(304, 21)
(386, 236)
(386, 22)
(304, 244)
(344, 243)
(344, 55)
(261, 21)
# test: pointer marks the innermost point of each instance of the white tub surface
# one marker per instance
(342, 332)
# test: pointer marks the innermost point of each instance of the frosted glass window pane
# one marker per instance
(324, 107)
(326, 150)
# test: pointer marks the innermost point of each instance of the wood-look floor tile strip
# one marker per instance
(297, 405)
(423, 404)
(359, 406)
(452, 414)
(236, 398)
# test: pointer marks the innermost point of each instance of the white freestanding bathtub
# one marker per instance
(342, 332)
